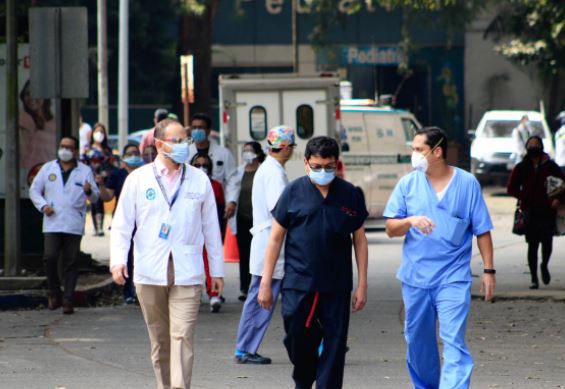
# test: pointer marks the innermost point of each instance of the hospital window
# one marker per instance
(258, 122)
(305, 121)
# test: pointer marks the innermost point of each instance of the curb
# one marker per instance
(524, 296)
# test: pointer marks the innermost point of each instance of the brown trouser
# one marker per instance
(170, 313)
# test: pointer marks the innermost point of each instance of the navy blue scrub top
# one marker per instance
(318, 248)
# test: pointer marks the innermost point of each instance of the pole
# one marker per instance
(12, 247)
(295, 36)
(123, 75)
(102, 65)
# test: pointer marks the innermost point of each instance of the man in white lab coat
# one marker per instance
(173, 207)
(60, 191)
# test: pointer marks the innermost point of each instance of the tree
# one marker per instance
(534, 33)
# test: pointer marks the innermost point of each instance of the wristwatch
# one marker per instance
(489, 271)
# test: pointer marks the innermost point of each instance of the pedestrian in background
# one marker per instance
(520, 135)
(560, 142)
(148, 139)
(172, 205)
(241, 222)
(60, 191)
(528, 184)
(321, 216)
(268, 184)
(101, 160)
(149, 153)
(438, 208)
(85, 132)
(204, 163)
(131, 160)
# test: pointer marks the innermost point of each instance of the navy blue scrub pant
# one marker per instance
(310, 318)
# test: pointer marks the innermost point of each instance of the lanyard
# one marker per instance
(174, 198)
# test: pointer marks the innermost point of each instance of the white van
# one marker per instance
(493, 146)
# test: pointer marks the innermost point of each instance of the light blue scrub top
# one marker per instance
(444, 256)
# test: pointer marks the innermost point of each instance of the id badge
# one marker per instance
(165, 230)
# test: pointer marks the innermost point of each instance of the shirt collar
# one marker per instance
(162, 169)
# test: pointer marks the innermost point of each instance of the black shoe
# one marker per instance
(242, 297)
(222, 299)
(254, 359)
(534, 285)
(545, 276)
(68, 308)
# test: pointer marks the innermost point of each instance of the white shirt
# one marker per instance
(67, 200)
(560, 146)
(224, 165)
(440, 195)
(520, 135)
(192, 221)
(234, 188)
(84, 135)
(268, 184)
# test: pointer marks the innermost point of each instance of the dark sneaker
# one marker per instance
(534, 285)
(53, 300)
(545, 276)
(68, 308)
(242, 297)
(254, 359)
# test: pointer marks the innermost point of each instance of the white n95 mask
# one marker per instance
(419, 162)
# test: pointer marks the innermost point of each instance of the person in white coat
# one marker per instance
(241, 184)
(560, 142)
(520, 135)
(60, 191)
(268, 184)
(173, 207)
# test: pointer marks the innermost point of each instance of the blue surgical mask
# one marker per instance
(134, 161)
(322, 177)
(198, 135)
(180, 152)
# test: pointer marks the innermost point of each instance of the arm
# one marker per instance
(213, 238)
(361, 247)
(399, 227)
(123, 224)
(488, 281)
(233, 189)
(90, 188)
(37, 189)
(265, 297)
(514, 182)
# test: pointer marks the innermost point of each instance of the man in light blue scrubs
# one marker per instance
(438, 208)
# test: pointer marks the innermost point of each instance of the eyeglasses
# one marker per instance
(178, 141)
(328, 168)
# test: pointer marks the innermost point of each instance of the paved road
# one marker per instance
(516, 343)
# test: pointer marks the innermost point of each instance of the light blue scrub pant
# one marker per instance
(449, 304)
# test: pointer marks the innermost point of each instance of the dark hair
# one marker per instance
(73, 138)
(160, 114)
(162, 126)
(435, 137)
(202, 116)
(206, 157)
(323, 146)
(534, 137)
(128, 146)
(258, 150)
(105, 141)
(38, 119)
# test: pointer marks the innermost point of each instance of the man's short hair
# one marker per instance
(323, 146)
(435, 137)
(160, 114)
(73, 138)
(204, 117)
(162, 126)
(126, 147)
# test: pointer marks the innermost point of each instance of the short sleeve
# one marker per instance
(361, 209)
(396, 205)
(281, 211)
(480, 217)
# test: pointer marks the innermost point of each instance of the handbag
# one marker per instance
(520, 221)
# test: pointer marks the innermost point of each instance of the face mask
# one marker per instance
(534, 151)
(65, 155)
(322, 177)
(198, 135)
(248, 156)
(180, 152)
(419, 162)
(134, 161)
(98, 137)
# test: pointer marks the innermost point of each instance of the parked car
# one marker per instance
(493, 146)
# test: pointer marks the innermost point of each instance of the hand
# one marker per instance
(120, 274)
(87, 188)
(265, 297)
(488, 284)
(230, 210)
(48, 211)
(218, 285)
(359, 298)
(555, 203)
(423, 224)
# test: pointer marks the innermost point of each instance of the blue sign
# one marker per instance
(371, 56)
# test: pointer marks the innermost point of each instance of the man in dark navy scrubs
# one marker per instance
(322, 218)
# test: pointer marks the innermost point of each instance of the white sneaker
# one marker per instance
(215, 304)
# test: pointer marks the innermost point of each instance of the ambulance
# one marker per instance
(375, 140)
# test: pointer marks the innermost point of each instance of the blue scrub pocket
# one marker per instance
(451, 228)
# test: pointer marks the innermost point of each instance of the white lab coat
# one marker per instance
(268, 185)
(224, 165)
(560, 146)
(234, 188)
(193, 222)
(68, 200)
